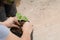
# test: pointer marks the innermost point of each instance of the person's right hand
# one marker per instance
(10, 22)
(27, 28)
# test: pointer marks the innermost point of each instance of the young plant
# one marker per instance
(21, 19)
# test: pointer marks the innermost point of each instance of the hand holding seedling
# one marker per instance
(24, 27)
(10, 22)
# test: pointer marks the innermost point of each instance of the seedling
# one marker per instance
(21, 19)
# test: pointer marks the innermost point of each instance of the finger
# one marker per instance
(16, 21)
(13, 25)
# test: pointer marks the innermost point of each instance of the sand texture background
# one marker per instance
(45, 16)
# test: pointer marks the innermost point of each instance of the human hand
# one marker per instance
(10, 22)
(27, 28)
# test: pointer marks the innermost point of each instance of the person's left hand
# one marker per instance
(10, 22)
(27, 27)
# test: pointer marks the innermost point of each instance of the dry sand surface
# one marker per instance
(45, 16)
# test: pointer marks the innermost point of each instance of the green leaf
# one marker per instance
(24, 18)
(21, 17)
(18, 15)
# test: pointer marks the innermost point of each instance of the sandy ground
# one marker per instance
(45, 16)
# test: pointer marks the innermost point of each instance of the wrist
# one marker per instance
(4, 23)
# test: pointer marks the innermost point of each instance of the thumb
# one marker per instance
(13, 25)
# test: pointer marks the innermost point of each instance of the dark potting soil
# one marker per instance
(18, 31)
